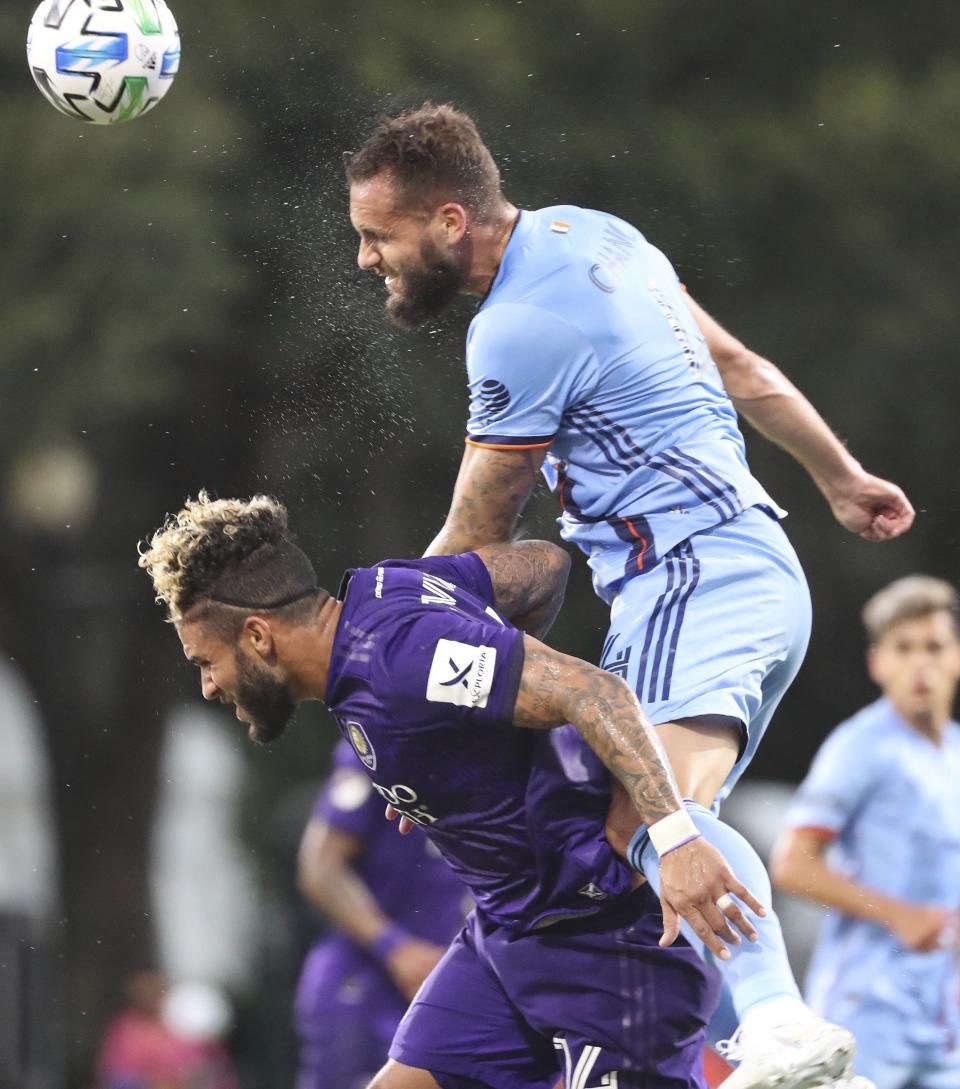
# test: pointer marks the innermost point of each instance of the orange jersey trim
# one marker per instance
(817, 830)
(504, 446)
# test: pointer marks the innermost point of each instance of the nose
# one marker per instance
(367, 256)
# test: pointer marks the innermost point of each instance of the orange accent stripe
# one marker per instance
(639, 537)
(817, 830)
(495, 446)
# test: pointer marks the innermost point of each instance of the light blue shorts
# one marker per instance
(718, 626)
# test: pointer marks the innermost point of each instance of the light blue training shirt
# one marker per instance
(890, 799)
(585, 346)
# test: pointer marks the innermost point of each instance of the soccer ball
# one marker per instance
(103, 61)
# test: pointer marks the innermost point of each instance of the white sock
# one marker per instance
(781, 1010)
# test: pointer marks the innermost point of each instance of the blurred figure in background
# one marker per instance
(167, 1038)
(874, 835)
(396, 906)
(137, 1049)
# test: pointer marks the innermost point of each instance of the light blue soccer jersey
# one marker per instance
(585, 345)
(890, 798)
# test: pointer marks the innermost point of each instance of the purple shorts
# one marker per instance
(586, 998)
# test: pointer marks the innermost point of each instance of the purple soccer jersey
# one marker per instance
(559, 971)
(423, 681)
(347, 1007)
(407, 876)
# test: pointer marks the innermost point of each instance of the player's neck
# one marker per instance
(309, 658)
(489, 243)
(931, 724)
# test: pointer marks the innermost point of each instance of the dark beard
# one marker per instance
(427, 291)
(265, 699)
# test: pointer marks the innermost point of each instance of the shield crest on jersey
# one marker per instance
(361, 745)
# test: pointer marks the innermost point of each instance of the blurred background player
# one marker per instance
(167, 1037)
(874, 836)
(395, 905)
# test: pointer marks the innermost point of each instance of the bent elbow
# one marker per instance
(559, 560)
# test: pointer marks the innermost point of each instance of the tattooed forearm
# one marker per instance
(555, 688)
(491, 491)
(529, 579)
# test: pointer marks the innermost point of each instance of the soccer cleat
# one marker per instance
(806, 1054)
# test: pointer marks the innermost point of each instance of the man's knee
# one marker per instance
(399, 1076)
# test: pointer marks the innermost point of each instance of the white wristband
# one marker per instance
(672, 831)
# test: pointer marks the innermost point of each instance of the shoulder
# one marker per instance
(438, 579)
(507, 321)
(527, 345)
(862, 728)
(859, 746)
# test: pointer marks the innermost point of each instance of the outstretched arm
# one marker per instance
(529, 579)
(492, 489)
(798, 865)
(875, 508)
(555, 689)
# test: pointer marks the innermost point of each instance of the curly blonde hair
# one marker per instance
(236, 552)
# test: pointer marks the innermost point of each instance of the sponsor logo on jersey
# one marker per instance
(494, 398)
(361, 745)
(461, 674)
(592, 892)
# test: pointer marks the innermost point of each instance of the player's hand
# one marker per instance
(410, 964)
(875, 508)
(406, 826)
(922, 928)
(692, 879)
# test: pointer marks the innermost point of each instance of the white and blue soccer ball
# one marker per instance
(103, 61)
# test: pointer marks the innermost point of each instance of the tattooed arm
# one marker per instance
(555, 689)
(529, 579)
(492, 489)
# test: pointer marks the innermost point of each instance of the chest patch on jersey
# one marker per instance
(361, 745)
(461, 674)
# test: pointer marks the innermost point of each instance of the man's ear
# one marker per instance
(873, 667)
(258, 635)
(453, 216)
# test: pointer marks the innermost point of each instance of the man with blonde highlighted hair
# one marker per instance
(874, 836)
(567, 967)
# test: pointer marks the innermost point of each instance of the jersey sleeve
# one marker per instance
(837, 784)
(348, 801)
(525, 366)
(444, 666)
